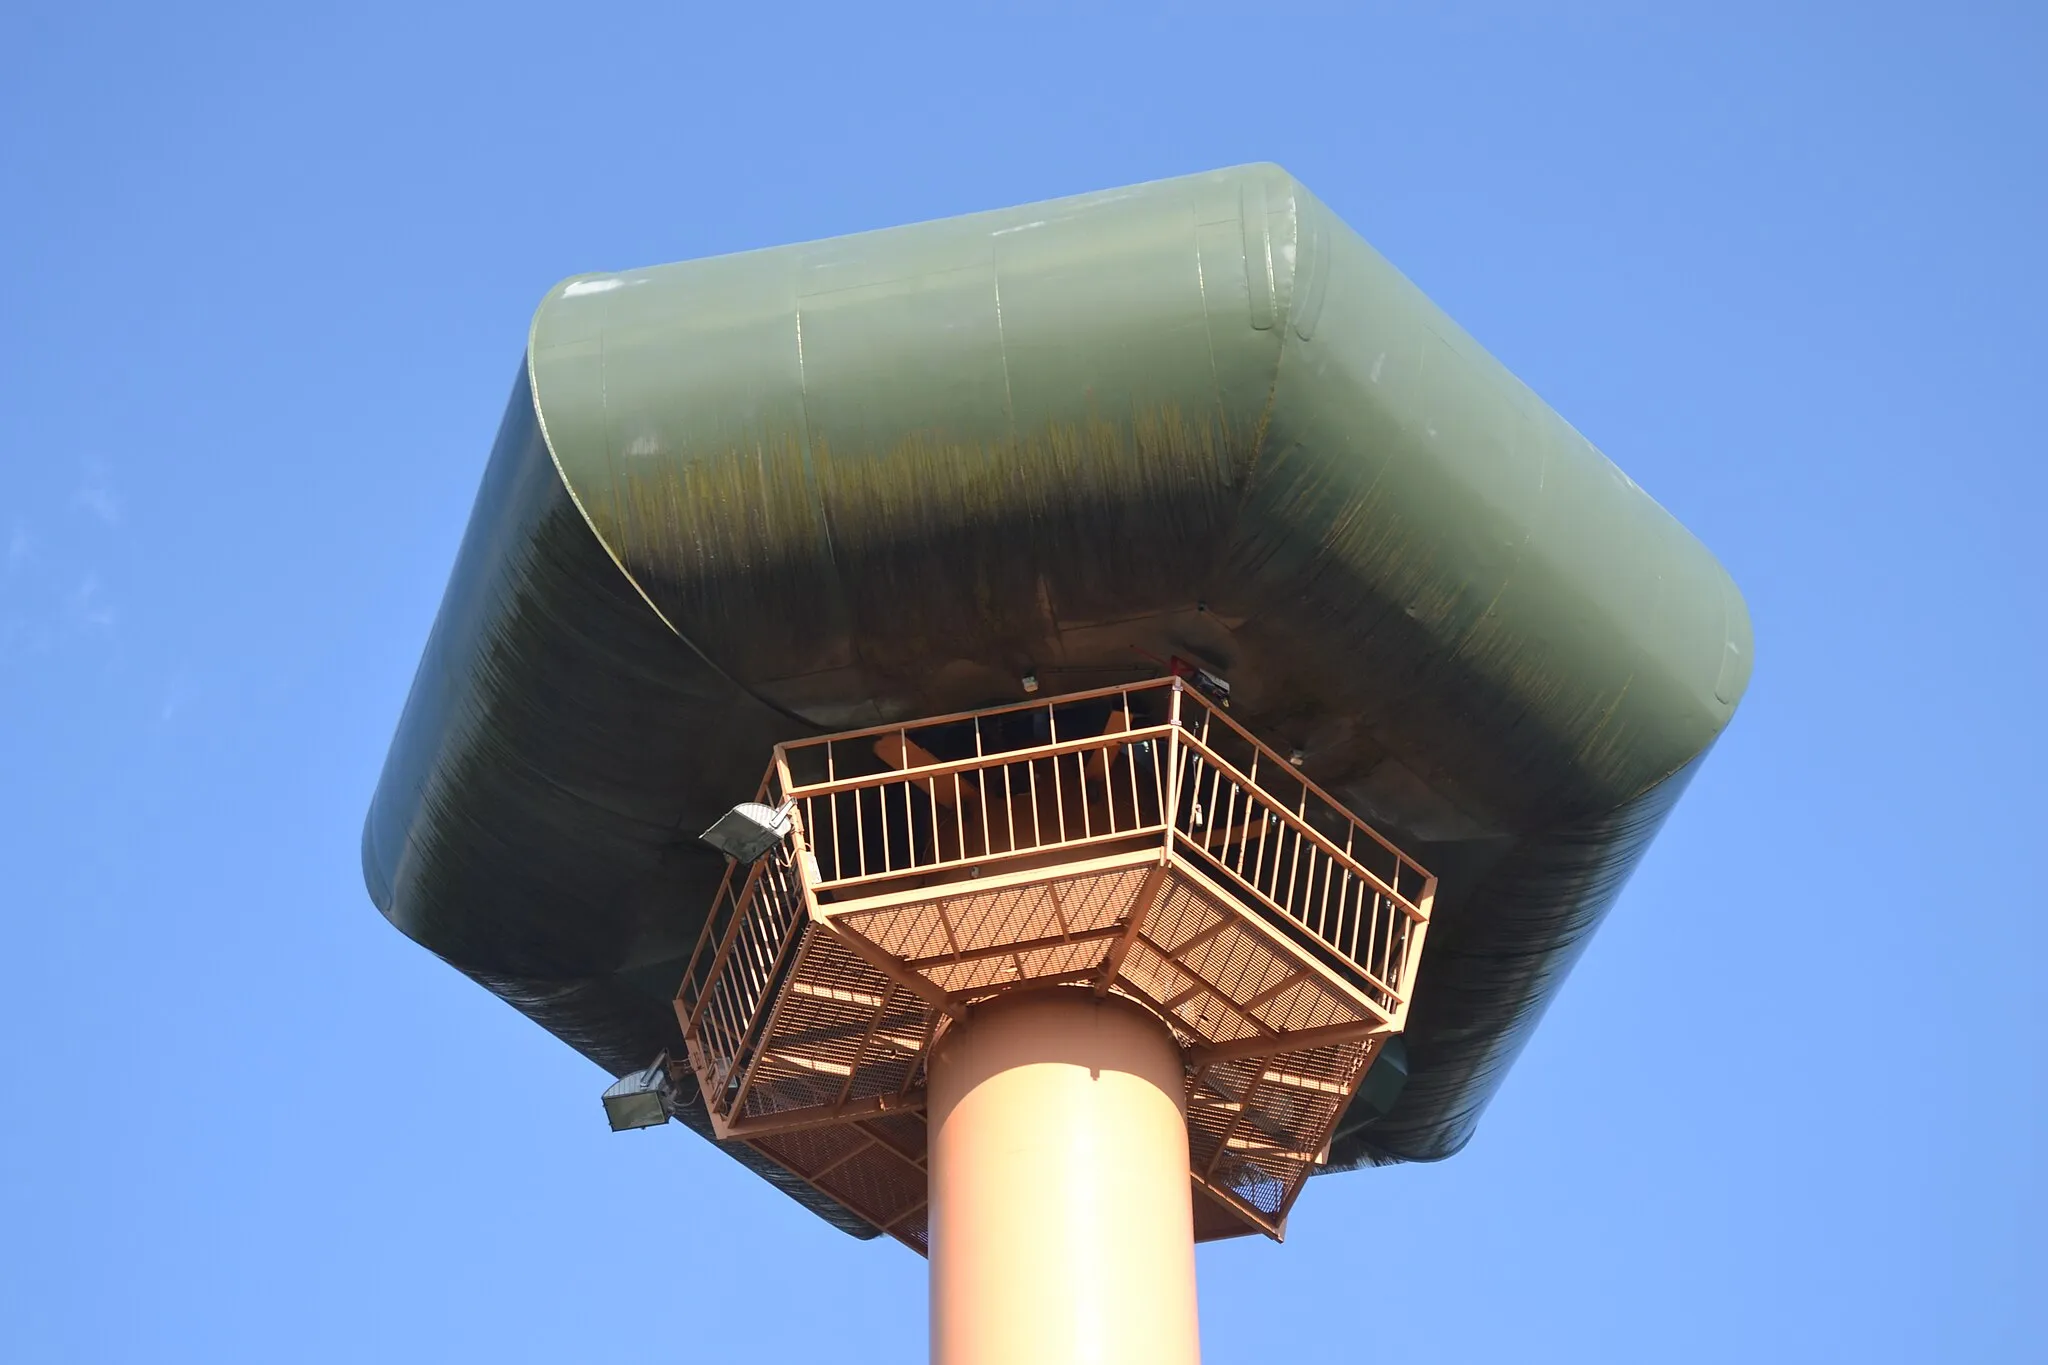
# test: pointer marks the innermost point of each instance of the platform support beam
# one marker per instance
(1061, 1229)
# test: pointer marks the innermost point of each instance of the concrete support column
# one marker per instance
(1061, 1230)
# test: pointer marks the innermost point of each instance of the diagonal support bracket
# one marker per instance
(1142, 906)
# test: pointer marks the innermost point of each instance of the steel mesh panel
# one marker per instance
(1065, 959)
(1012, 915)
(830, 970)
(875, 1182)
(1234, 1079)
(904, 1132)
(884, 1074)
(1264, 1184)
(1212, 1018)
(1305, 1004)
(1159, 979)
(1293, 1119)
(909, 932)
(1239, 963)
(807, 1150)
(957, 978)
(1182, 914)
(1099, 901)
(913, 1229)
(779, 1088)
(1209, 1118)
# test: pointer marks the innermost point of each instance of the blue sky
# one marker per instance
(268, 278)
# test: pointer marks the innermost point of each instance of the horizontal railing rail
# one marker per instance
(949, 814)
(1064, 699)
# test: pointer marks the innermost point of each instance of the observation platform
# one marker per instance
(1130, 840)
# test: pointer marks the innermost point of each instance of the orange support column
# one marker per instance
(1061, 1230)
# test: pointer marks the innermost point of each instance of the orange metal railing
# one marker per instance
(753, 926)
(938, 798)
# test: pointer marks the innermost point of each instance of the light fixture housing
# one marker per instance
(748, 831)
(641, 1099)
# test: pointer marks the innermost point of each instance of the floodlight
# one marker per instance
(641, 1099)
(748, 830)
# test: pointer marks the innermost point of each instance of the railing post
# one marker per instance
(1172, 756)
(800, 854)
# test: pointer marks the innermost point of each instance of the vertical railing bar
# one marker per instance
(860, 835)
(910, 861)
(1386, 959)
(733, 1001)
(1346, 934)
(1374, 954)
(1401, 933)
(1371, 951)
(1131, 768)
(1211, 803)
(1367, 908)
(718, 940)
(959, 817)
(1169, 794)
(1305, 887)
(1407, 931)
(1343, 880)
(1353, 919)
(1245, 847)
(1293, 868)
(1162, 752)
(1250, 860)
(1081, 785)
(1219, 807)
(1216, 807)
(1329, 866)
(1271, 871)
(730, 944)
(1386, 911)
(882, 814)
(1009, 811)
(1252, 800)
(1059, 793)
(766, 1023)
(1253, 818)
(1031, 786)
(981, 786)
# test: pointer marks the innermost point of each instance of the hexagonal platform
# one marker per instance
(1156, 850)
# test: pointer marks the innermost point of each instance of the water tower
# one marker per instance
(1040, 732)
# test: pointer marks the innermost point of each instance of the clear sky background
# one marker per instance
(267, 279)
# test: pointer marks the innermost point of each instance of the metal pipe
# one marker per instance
(1061, 1228)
